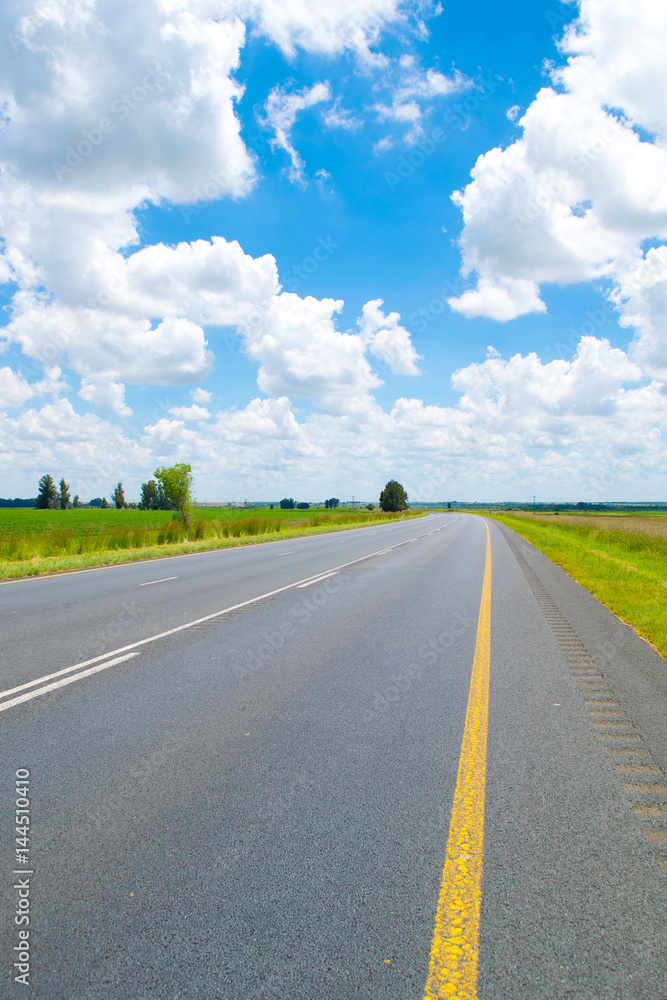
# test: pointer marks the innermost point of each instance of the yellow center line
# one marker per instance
(455, 947)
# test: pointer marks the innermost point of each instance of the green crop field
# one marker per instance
(28, 521)
(621, 559)
(45, 541)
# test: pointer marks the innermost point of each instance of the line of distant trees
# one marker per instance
(289, 503)
(52, 497)
(170, 490)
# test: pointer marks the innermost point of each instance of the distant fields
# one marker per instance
(621, 559)
(45, 541)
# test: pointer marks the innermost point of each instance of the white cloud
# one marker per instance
(589, 427)
(616, 54)
(432, 83)
(412, 93)
(210, 282)
(384, 144)
(200, 395)
(109, 394)
(548, 400)
(586, 427)
(327, 28)
(399, 111)
(5, 270)
(113, 340)
(190, 412)
(14, 390)
(244, 450)
(100, 123)
(501, 300)
(270, 420)
(282, 109)
(94, 109)
(294, 340)
(576, 196)
(106, 347)
(53, 383)
(387, 340)
(92, 453)
(301, 353)
(155, 120)
(641, 297)
(339, 117)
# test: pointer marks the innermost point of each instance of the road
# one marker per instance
(240, 769)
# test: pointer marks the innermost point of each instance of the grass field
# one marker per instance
(46, 541)
(621, 559)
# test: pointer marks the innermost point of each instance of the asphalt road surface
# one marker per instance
(239, 770)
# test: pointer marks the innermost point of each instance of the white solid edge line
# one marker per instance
(196, 621)
(65, 680)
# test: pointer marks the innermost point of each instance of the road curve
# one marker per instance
(241, 767)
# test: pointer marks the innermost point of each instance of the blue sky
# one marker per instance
(309, 248)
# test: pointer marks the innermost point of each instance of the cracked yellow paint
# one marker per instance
(455, 947)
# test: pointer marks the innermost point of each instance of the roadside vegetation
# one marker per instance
(35, 541)
(621, 559)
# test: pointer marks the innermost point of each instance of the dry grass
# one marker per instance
(622, 560)
(653, 525)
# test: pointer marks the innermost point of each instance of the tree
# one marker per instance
(118, 497)
(148, 495)
(393, 497)
(105, 504)
(64, 494)
(153, 497)
(369, 506)
(177, 483)
(287, 503)
(47, 496)
(76, 502)
(302, 506)
(333, 502)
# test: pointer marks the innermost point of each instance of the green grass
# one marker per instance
(623, 565)
(34, 542)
